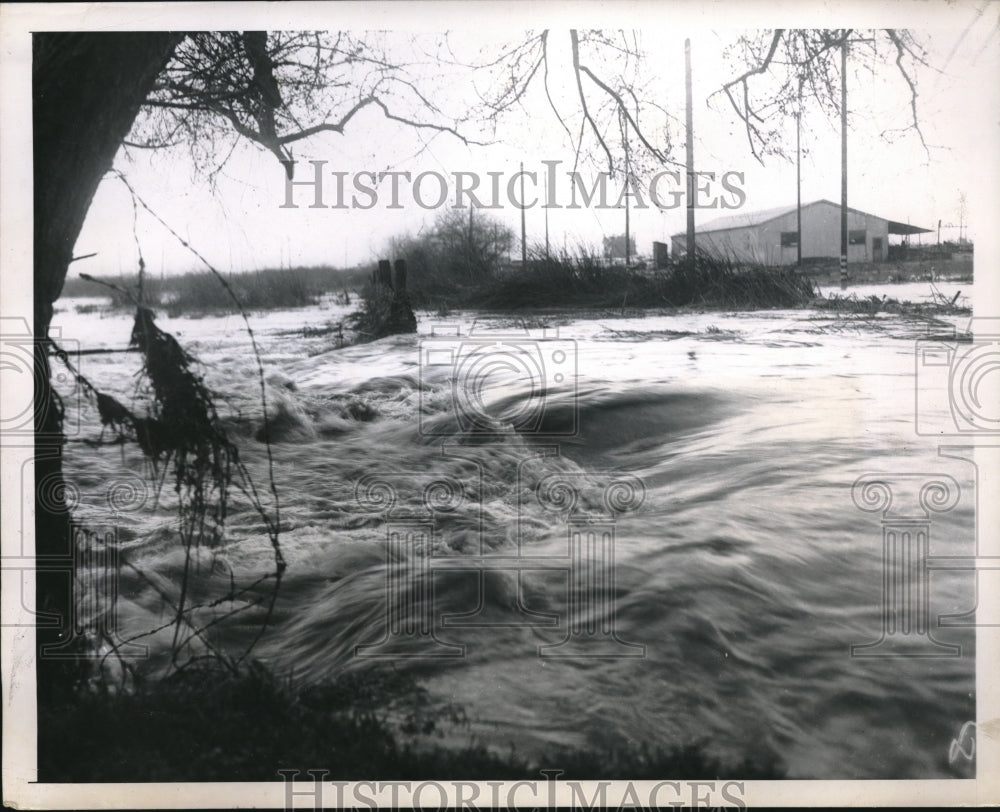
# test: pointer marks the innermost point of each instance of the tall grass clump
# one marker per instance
(708, 280)
(587, 280)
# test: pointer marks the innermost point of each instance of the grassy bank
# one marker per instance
(211, 726)
(203, 292)
(565, 281)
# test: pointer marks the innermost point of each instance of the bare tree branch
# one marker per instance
(784, 60)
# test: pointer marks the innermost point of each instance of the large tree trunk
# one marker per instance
(87, 90)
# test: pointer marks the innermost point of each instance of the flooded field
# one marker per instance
(682, 484)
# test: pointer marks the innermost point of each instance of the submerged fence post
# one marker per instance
(390, 312)
(399, 277)
(383, 276)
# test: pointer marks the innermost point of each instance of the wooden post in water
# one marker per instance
(399, 277)
(401, 316)
(391, 312)
(383, 276)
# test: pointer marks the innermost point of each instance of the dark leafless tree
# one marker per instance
(592, 81)
(280, 88)
(783, 65)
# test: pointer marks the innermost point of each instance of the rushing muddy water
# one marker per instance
(683, 482)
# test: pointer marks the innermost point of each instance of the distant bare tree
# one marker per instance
(457, 248)
(614, 246)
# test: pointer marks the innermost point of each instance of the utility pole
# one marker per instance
(469, 248)
(524, 242)
(628, 243)
(689, 123)
(961, 217)
(843, 152)
(843, 161)
(798, 179)
(546, 207)
(628, 170)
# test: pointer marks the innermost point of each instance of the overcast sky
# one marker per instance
(239, 223)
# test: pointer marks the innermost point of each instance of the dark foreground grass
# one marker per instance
(210, 726)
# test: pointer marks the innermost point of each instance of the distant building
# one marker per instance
(769, 237)
(661, 255)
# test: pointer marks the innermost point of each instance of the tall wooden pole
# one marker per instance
(843, 161)
(798, 179)
(628, 236)
(689, 122)
(628, 231)
(524, 239)
(546, 207)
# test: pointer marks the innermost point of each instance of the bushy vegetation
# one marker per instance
(456, 257)
(462, 262)
(206, 724)
(591, 281)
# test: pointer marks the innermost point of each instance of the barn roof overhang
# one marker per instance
(906, 228)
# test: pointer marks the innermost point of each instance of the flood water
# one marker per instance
(683, 481)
